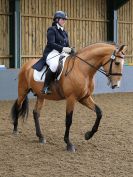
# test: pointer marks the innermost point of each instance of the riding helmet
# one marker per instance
(60, 14)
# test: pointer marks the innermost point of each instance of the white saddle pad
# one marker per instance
(39, 76)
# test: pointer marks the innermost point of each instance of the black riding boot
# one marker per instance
(48, 79)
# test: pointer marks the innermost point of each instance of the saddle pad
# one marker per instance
(39, 76)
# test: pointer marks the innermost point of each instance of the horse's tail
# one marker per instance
(18, 111)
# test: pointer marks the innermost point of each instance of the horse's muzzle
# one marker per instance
(114, 86)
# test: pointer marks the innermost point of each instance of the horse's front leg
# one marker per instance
(36, 115)
(69, 114)
(88, 102)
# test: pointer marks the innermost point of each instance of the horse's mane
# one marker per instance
(104, 42)
(96, 44)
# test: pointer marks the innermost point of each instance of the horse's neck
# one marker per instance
(95, 56)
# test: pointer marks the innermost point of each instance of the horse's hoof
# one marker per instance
(71, 148)
(42, 141)
(88, 135)
(15, 132)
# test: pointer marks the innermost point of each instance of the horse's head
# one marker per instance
(114, 67)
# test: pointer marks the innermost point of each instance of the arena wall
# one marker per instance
(9, 81)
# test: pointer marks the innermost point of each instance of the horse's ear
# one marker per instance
(123, 49)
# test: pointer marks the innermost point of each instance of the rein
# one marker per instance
(100, 70)
(112, 58)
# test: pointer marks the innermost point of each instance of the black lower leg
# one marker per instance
(15, 125)
(89, 134)
(36, 116)
(70, 146)
(16, 116)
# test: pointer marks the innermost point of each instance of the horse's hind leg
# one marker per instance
(88, 102)
(69, 113)
(36, 115)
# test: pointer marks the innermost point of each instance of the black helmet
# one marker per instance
(60, 14)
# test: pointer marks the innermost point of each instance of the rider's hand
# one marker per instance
(73, 52)
(67, 49)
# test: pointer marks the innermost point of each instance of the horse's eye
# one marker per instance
(117, 63)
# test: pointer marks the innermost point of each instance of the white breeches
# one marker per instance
(53, 59)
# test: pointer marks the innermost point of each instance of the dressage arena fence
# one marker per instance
(9, 83)
(87, 23)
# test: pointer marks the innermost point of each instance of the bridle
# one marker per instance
(111, 60)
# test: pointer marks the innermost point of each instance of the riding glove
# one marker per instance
(67, 49)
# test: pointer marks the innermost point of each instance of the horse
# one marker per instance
(75, 85)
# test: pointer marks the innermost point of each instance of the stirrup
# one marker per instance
(46, 90)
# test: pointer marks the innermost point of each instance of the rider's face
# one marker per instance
(62, 21)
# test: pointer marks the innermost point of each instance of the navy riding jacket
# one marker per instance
(56, 39)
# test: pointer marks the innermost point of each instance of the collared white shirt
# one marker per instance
(59, 27)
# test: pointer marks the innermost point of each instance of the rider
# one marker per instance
(57, 42)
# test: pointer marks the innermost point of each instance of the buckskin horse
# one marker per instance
(76, 84)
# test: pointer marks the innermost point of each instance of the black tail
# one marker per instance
(18, 111)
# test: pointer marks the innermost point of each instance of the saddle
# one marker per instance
(39, 76)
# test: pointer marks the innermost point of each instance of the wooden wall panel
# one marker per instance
(86, 23)
(4, 33)
(125, 29)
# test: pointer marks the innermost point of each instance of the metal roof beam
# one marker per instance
(112, 26)
(119, 3)
(17, 35)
